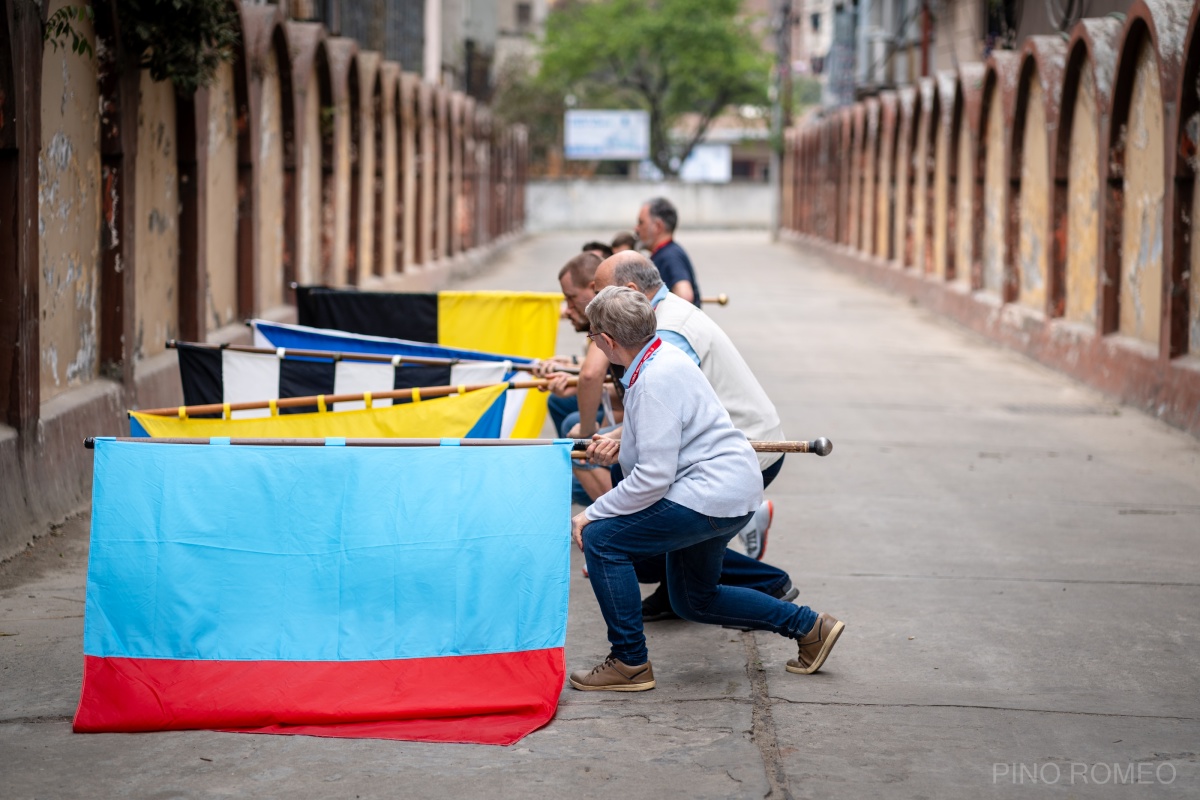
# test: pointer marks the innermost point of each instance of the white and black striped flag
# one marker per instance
(222, 375)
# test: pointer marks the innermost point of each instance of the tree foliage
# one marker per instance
(182, 41)
(669, 57)
(60, 26)
(522, 97)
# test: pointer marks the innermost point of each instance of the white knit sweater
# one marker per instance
(679, 443)
(740, 392)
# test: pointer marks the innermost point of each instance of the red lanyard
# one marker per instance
(649, 352)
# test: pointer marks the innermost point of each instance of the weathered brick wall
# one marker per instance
(1045, 198)
(129, 216)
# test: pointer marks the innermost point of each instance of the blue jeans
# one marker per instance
(737, 569)
(694, 545)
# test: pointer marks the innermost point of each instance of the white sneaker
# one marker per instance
(754, 534)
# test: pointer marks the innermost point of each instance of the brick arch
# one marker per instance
(21, 49)
(965, 263)
(327, 208)
(1080, 172)
(405, 181)
(812, 177)
(1153, 34)
(889, 136)
(356, 82)
(1030, 237)
(247, 205)
(279, 49)
(870, 156)
(907, 134)
(833, 176)
(118, 145)
(375, 190)
(470, 173)
(1185, 305)
(343, 203)
(312, 92)
(483, 150)
(787, 183)
(423, 154)
(440, 108)
(455, 178)
(993, 168)
(209, 280)
(855, 121)
(927, 171)
(944, 183)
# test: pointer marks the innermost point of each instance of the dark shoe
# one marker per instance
(614, 675)
(787, 594)
(816, 644)
(658, 606)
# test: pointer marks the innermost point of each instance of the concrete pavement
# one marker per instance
(1016, 557)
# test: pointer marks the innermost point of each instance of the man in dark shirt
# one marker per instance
(656, 228)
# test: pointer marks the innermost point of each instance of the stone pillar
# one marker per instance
(1036, 117)
(998, 97)
(885, 208)
(427, 171)
(1081, 170)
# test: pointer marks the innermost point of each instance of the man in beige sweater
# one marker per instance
(694, 332)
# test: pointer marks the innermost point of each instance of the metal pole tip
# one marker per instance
(822, 446)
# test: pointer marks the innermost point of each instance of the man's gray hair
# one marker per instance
(633, 267)
(623, 314)
(661, 209)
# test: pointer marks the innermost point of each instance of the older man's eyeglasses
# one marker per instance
(594, 334)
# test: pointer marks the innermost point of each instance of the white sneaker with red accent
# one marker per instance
(754, 534)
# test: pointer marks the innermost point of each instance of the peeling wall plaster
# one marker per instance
(1083, 198)
(157, 222)
(70, 200)
(1144, 195)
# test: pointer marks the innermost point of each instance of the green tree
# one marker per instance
(182, 41)
(668, 57)
(522, 97)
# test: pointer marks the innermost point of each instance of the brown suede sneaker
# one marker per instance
(614, 676)
(816, 644)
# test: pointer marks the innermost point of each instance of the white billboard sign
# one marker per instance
(591, 135)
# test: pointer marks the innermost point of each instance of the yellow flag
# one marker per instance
(450, 417)
(512, 323)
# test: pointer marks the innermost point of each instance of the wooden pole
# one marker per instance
(424, 392)
(820, 446)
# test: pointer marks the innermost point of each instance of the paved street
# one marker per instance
(1016, 557)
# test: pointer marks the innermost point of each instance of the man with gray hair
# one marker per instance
(656, 223)
(693, 332)
(691, 481)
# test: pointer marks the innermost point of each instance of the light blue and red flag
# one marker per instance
(414, 593)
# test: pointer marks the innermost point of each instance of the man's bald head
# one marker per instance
(629, 268)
